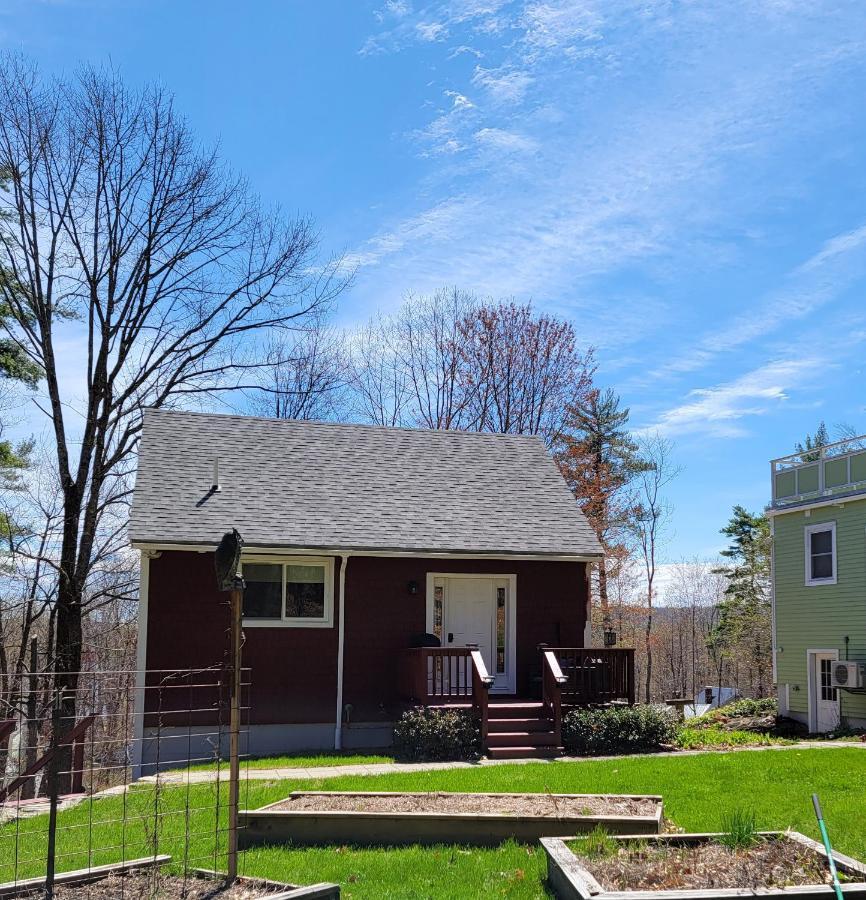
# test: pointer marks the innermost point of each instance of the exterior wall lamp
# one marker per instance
(413, 588)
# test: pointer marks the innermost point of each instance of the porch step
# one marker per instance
(520, 739)
(503, 709)
(495, 725)
(524, 752)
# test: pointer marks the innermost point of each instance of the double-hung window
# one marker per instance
(821, 553)
(291, 591)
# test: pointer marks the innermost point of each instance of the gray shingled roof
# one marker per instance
(360, 487)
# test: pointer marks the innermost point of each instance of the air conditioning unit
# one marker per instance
(847, 675)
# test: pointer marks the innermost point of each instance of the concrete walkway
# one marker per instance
(287, 773)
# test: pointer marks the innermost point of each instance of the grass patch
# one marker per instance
(699, 792)
(320, 759)
(739, 829)
(720, 738)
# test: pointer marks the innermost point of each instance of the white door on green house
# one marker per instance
(825, 697)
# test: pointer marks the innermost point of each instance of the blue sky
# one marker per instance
(684, 180)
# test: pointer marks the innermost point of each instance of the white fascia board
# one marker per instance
(339, 551)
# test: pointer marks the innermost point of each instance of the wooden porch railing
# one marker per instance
(595, 674)
(73, 738)
(432, 676)
(552, 681)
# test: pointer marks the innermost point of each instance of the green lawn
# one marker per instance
(698, 792)
(303, 761)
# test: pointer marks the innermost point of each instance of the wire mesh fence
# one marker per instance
(108, 767)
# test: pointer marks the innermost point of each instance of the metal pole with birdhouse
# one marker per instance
(229, 578)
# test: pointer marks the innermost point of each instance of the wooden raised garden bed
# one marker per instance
(136, 880)
(697, 867)
(317, 817)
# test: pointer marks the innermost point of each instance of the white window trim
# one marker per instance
(306, 622)
(808, 532)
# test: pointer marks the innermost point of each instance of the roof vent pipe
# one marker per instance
(215, 484)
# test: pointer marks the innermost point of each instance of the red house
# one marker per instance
(376, 561)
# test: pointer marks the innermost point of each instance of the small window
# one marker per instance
(296, 592)
(828, 692)
(821, 554)
(500, 630)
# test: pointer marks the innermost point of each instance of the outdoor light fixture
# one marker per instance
(413, 587)
(609, 634)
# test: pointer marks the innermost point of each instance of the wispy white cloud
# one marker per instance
(719, 411)
(507, 141)
(503, 85)
(813, 284)
(431, 31)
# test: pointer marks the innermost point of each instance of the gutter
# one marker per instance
(341, 640)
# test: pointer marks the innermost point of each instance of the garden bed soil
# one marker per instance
(394, 818)
(556, 805)
(145, 879)
(149, 885)
(770, 863)
(697, 866)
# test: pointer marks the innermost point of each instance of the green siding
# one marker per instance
(821, 616)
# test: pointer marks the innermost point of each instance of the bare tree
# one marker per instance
(437, 371)
(649, 516)
(377, 376)
(528, 367)
(305, 376)
(120, 233)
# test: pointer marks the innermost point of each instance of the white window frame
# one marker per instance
(809, 531)
(295, 622)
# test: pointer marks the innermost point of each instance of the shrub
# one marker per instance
(746, 708)
(426, 733)
(721, 738)
(618, 729)
(765, 706)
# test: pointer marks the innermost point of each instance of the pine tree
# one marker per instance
(598, 458)
(744, 622)
(810, 448)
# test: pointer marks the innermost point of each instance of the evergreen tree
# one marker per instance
(810, 448)
(743, 626)
(598, 458)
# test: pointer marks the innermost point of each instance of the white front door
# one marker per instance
(477, 611)
(825, 697)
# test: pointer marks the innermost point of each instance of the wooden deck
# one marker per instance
(514, 727)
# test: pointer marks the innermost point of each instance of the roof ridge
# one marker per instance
(152, 410)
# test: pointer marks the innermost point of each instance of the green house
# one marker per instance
(818, 517)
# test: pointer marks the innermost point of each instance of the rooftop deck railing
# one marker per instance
(825, 473)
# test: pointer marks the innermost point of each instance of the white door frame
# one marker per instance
(812, 685)
(508, 684)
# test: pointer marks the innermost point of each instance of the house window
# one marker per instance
(828, 692)
(438, 591)
(296, 591)
(821, 554)
(500, 630)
